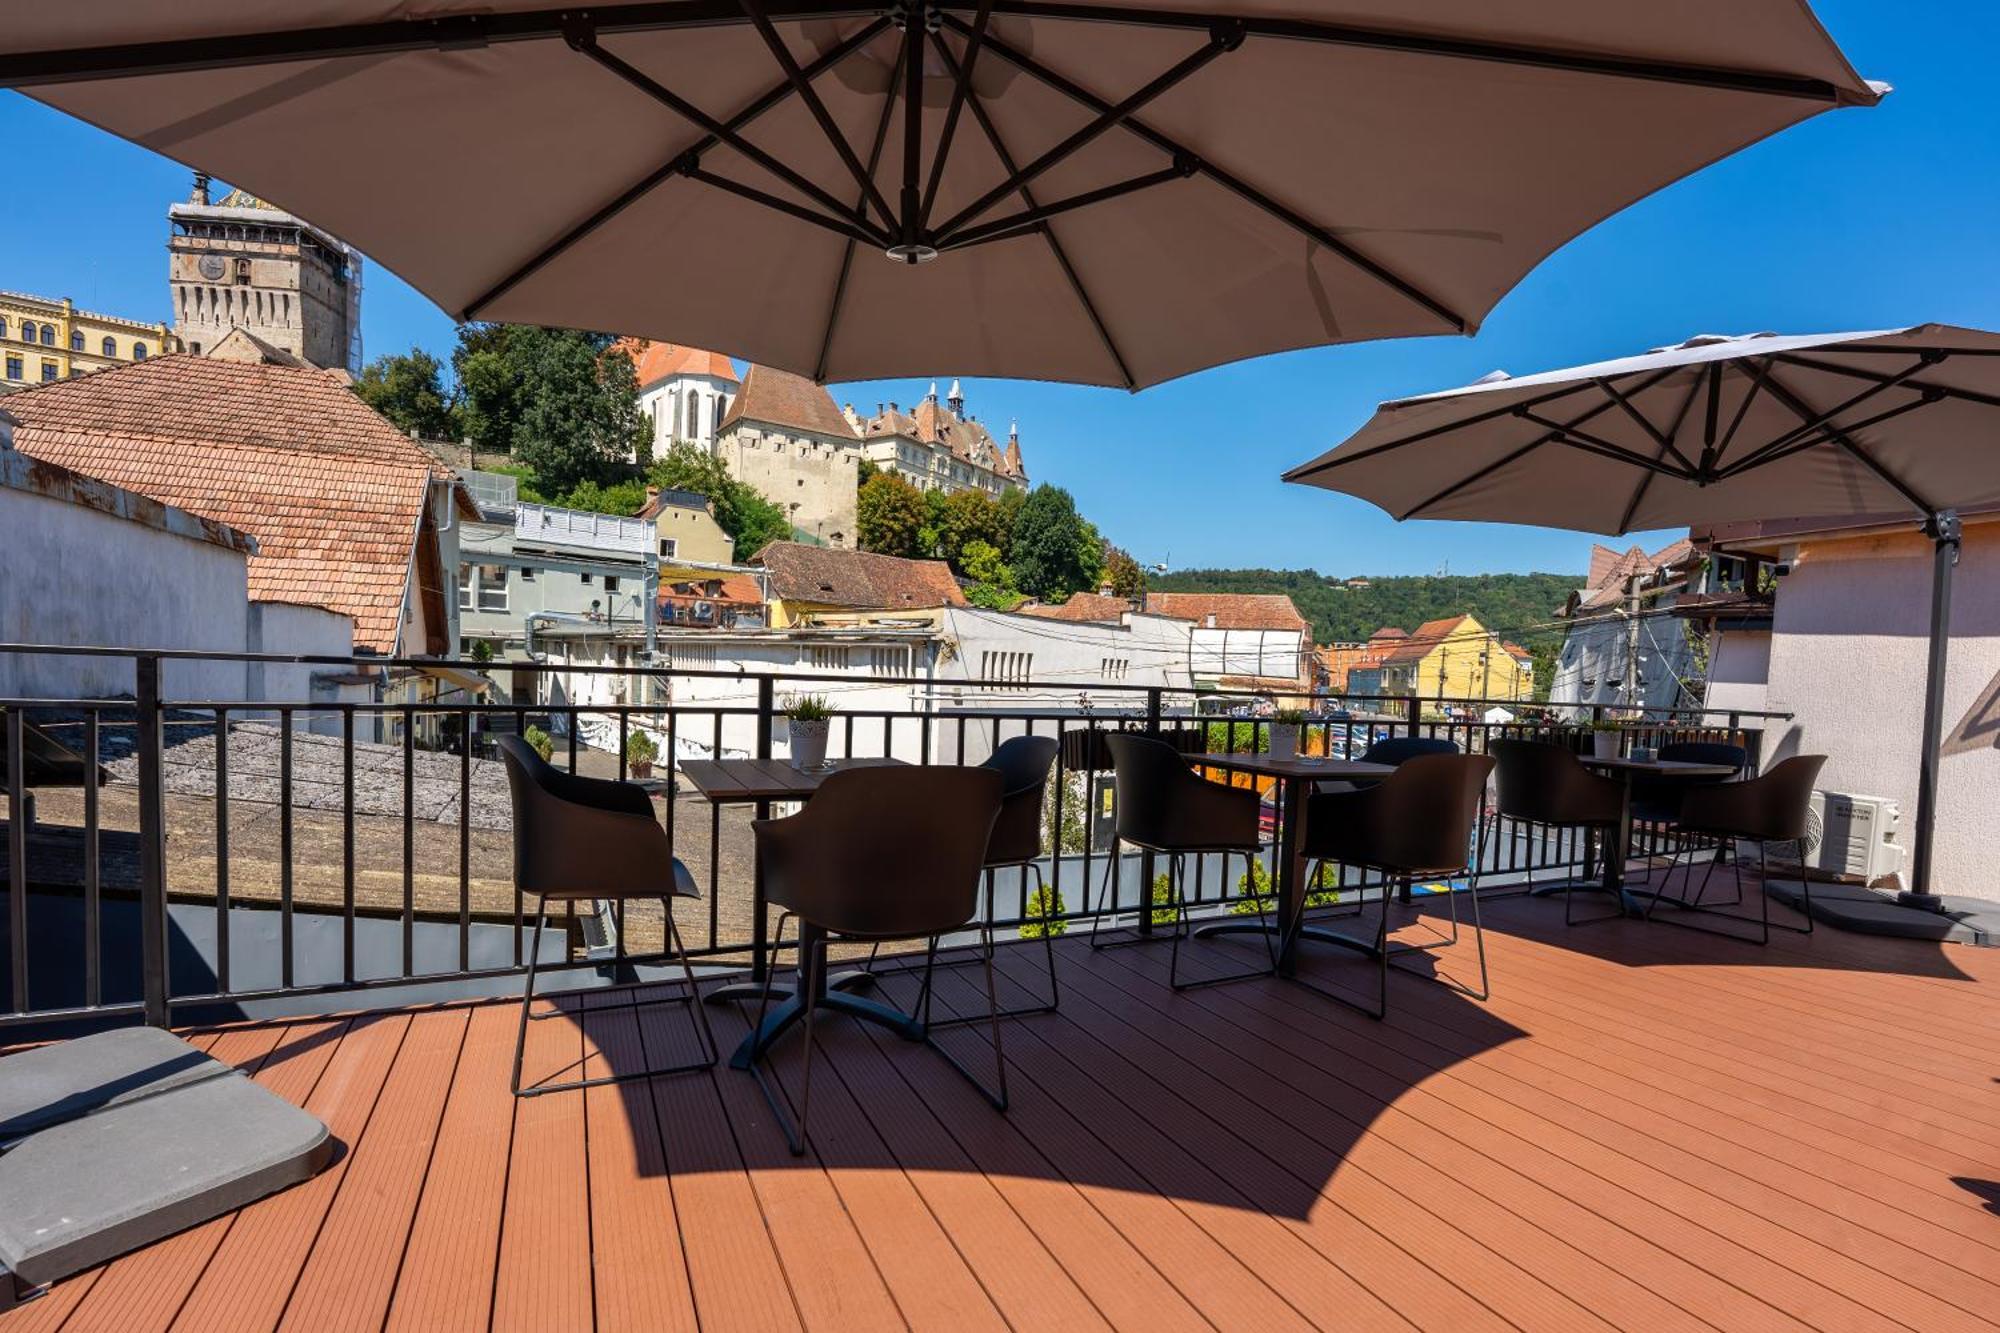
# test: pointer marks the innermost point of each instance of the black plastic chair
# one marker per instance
(1023, 763)
(586, 839)
(833, 868)
(1773, 807)
(1417, 823)
(1165, 807)
(1656, 797)
(1391, 750)
(1546, 786)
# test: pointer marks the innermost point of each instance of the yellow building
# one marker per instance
(43, 340)
(686, 528)
(1457, 658)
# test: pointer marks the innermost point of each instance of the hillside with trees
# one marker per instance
(1519, 606)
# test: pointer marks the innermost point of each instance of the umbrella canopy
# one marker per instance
(1069, 190)
(1717, 429)
(1837, 426)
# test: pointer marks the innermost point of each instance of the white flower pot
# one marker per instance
(1604, 744)
(808, 742)
(1284, 740)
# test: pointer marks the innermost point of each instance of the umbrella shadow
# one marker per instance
(1249, 1097)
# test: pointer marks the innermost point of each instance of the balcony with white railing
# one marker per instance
(579, 530)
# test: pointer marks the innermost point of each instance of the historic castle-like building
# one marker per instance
(782, 434)
(243, 264)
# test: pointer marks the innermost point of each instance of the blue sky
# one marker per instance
(1856, 219)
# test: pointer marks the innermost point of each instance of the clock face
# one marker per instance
(212, 267)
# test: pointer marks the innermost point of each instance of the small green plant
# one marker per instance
(641, 749)
(1291, 717)
(808, 708)
(1604, 724)
(482, 650)
(1165, 901)
(1045, 919)
(1256, 895)
(540, 742)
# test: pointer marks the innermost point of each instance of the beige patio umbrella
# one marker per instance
(1064, 189)
(1880, 425)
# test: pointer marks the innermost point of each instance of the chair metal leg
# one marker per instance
(985, 953)
(528, 995)
(815, 965)
(1380, 949)
(1184, 926)
(1696, 906)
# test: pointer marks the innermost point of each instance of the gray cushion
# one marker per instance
(92, 1188)
(67, 1079)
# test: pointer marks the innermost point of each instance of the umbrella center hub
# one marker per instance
(913, 253)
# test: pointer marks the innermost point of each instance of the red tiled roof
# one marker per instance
(656, 361)
(1262, 610)
(1388, 632)
(1417, 646)
(332, 492)
(780, 398)
(857, 580)
(1517, 651)
(1610, 569)
(1084, 608)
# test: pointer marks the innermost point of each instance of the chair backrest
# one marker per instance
(896, 852)
(1547, 784)
(1417, 821)
(1397, 749)
(1023, 763)
(1165, 804)
(1772, 807)
(561, 851)
(1706, 752)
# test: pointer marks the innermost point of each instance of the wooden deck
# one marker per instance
(1644, 1129)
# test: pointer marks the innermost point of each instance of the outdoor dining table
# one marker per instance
(1625, 770)
(763, 783)
(1296, 778)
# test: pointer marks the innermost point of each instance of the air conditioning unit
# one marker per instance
(1857, 836)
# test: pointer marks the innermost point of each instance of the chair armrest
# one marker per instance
(601, 793)
(599, 853)
(785, 857)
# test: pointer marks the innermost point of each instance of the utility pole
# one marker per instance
(1631, 683)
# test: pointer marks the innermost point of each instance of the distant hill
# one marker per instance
(1509, 603)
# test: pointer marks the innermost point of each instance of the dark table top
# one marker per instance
(733, 781)
(1668, 768)
(1310, 769)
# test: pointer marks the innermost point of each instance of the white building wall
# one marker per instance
(1590, 669)
(1739, 671)
(811, 477)
(687, 407)
(1847, 658)
(77, 575)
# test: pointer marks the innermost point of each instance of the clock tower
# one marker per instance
(241, 263)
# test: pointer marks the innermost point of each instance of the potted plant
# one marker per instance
(640, 752)
(540, 742)
(1285, 724)
(807, 718)
(1604, 738)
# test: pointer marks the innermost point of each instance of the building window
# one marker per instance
(138, 351)
(48, 335)
(611, 583)
(48, 372)
(888, 661)
(27, 331)
(110, 347)
(76, 340)
(827, 659)
(585, 578)
(492, 587)
(14, 368)
(465, 585)
(669, 547)
(3, 326)
(1114, 668)
(527, 574)
(242, 272)
(1011, 667)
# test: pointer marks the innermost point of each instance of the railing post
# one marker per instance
(151, 744)
(1155, 701)
(760, 940)
(1415, 708)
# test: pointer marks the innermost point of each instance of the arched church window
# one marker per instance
(110, 347)
(48, 335)
(138, 351)
(694, 416)
(76, 340)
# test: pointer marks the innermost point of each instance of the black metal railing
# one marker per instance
(256, 850)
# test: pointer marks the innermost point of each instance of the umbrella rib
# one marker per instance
(1665, 441)
(1766, 455)
(1487, 471)
(980, 19)
(839, 226)
(646, 184)
(1805, 412)
(1250, 194)
(847, 251)
(585, 43)
(960, 76)
(1760, 367)
(1017, 224)
(1855, 372)
(760, 17)
(1220, 42)
(1822, 419)
(1597, 444)
(1666, 444)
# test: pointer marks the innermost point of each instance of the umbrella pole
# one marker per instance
(1943, 530)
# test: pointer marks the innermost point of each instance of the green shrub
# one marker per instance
(1256, 895)
(640, 748)
(540, 742)
(1047, 903)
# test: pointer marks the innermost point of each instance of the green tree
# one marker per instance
(1050, 549)
(620, 497)
(408, 389)
(550, 397)
(1123, 573)
(967, 518)
(489, 389)
(930, 534)
(890, 516)
(751, 519)
(1044, 913)
(992, 581)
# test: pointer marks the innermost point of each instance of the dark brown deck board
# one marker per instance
(1643, 1128)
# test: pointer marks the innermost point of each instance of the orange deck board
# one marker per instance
(1642, 1128)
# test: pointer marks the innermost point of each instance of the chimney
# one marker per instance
(1209, 622)
(1105, 589)
(200, 195)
